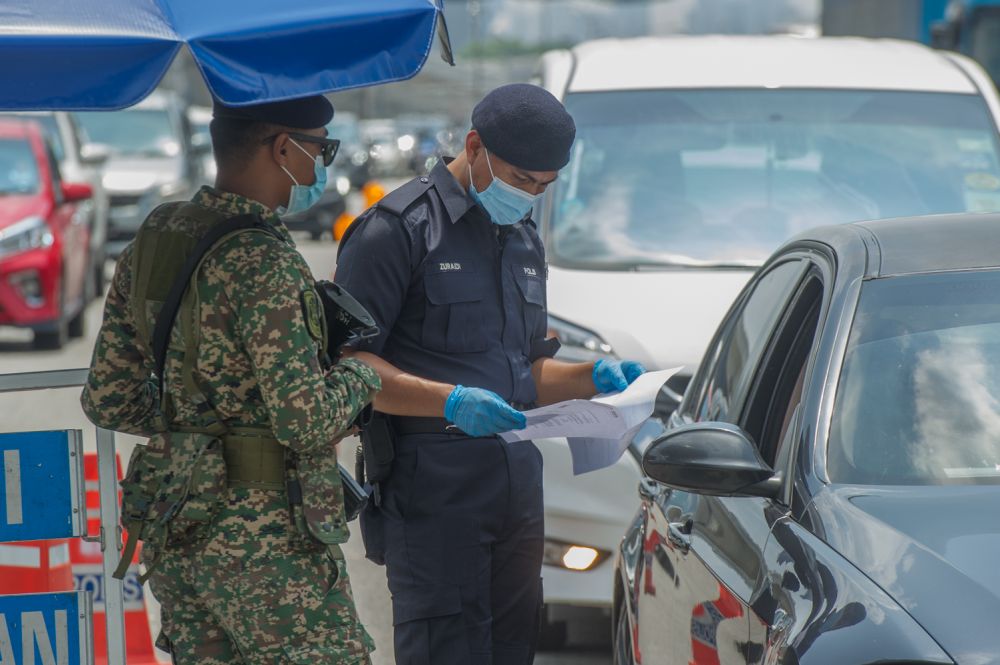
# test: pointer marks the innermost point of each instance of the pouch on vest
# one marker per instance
(316, 497)
(174, 488)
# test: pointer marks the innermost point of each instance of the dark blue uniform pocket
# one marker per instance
(454, 316)
(531, 284)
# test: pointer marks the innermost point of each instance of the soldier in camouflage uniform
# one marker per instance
(253, 589)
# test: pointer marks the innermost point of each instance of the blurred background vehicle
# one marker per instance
(46, 269)
(683, 180)
(79, 161)
(425, 138)
(353, 160)
(152, 160)
(199, 119)
(388, 150)
(971, 27)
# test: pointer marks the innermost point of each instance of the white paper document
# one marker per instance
(597, 430)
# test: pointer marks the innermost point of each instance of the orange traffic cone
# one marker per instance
(88, 575)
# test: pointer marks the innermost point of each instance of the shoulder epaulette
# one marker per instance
(398, 200)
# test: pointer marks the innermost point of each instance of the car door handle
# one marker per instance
(679, 535)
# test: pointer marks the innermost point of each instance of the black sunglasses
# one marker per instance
(328, 147)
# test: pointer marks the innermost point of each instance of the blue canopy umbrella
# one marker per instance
(109, 54)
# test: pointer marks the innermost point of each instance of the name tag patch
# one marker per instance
(449, 266)
(530, 272)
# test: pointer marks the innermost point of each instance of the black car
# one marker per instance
(828, 490)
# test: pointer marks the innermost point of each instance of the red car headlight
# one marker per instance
(29, 233)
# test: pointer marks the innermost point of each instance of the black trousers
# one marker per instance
(461, 530)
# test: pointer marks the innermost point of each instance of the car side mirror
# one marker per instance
(94, 153)
(710, 458)
(76, 191)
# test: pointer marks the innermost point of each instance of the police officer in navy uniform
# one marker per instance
(451, 267)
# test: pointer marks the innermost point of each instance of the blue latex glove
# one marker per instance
(479, 412)
(615, 375)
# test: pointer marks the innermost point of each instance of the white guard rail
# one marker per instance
(110, 536)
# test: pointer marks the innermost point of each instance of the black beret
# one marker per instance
(303, 113)
(526, 126)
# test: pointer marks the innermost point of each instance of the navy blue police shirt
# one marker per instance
(457, 298)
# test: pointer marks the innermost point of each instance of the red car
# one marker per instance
(45, 273)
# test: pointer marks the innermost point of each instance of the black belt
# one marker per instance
(404, 425)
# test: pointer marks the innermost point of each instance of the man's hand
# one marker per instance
(615, 375)
(479, 412)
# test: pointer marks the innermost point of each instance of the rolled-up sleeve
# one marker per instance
(374, 266)
(120, 393)
(307, 408)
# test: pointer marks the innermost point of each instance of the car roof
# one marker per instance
(765, 61)
(908, 245)
(157, 100)
(14, 128)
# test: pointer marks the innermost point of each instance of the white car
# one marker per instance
(695, 158)
(152, 160)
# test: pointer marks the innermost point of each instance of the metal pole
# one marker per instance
(60, 378)
(111, 545)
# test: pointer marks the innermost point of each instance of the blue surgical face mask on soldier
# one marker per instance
(505, 203)
(304, 197)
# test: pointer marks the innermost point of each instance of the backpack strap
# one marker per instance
(167, 314)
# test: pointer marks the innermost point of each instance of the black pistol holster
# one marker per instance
(377, 452)
(346, 319)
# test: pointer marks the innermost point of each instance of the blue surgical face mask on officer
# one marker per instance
(505, 203)
(304, 197)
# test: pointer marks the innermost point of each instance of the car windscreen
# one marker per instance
(918, 402)
(50, 126)
(696, 177)
(138, 132)
(18, 168)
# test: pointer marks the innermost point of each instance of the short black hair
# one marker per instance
(235, 142)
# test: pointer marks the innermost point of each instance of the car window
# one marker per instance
(18, 168)
(141, 132)
(743, 342)
(918, 400)
(777, 385)
(50, 125)
(723, 177)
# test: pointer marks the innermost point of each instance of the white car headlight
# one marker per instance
(572, 556)
(29, 233)
(578, 343)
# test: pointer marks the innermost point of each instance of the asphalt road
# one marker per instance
(59, 409)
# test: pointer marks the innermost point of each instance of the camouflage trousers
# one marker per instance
(253, 592)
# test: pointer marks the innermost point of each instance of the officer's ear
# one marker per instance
(279, 148)
(473, 146)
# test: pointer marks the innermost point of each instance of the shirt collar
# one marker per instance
(456, 201)
(234, 204)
